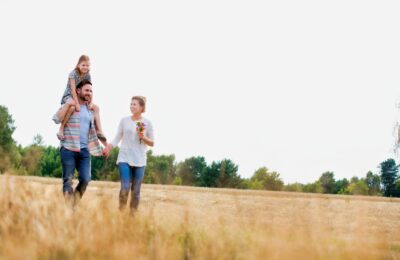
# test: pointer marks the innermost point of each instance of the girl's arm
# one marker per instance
(74, 96)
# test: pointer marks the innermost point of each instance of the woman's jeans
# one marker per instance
(131, 179)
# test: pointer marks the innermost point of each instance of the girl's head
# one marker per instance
(83, 65)
(138, 104)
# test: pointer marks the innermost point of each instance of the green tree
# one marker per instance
(31, 158)
(50, 162)
(221, 174)
(389, 171)
(209, 177)
(341, 186)
(294, 187)
(269, 180)
(314, 187)
(160, 169)
(374, 183)
(328, 184)
(7, 143)
(191, 170)
(6, 129)
(359, 187)
(228, 174)
(397, 188)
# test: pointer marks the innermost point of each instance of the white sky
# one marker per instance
(300, 87)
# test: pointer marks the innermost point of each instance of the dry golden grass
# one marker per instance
(193, 223)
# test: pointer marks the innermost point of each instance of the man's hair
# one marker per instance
(83, 83)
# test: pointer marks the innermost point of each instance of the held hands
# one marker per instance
(77, 107)
(107, 149)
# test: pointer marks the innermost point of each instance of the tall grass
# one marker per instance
(192, 223)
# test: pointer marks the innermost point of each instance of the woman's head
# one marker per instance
(138, 104)
(83, 65)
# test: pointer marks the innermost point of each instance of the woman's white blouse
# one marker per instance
(131, 150)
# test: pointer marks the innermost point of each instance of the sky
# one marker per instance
(299, 87)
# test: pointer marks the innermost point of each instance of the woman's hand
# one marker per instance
(141, 135)
(145, 139)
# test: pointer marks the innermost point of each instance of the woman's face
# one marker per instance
(135, 107)
(84, 67)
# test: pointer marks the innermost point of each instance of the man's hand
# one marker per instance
(77, 107)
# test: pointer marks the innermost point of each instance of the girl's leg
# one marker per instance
(138, 173)
(126, 178)
(60, 133)
(60, 114)
(99, 129)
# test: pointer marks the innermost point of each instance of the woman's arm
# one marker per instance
(119, 135)
(148, 135)
(146, 140)
(115, 141)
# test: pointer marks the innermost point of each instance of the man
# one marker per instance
(80, 142)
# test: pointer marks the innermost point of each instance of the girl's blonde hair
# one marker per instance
(142, 102)
(82, 58)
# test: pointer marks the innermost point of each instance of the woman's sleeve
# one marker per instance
(119, 134)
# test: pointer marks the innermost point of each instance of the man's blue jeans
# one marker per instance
(75, 160)
(131, 179)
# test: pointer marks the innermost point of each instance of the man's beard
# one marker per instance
(85, 98)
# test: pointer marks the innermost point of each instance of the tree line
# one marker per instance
(40, 160)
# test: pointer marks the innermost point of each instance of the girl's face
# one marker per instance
(84, 67)
(135, 107)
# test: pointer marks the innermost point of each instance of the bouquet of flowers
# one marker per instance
(140, 127)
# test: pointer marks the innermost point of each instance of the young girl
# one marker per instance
(69, 101)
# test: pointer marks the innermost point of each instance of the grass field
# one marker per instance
(176, 222)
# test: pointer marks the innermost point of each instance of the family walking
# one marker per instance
(80, 134)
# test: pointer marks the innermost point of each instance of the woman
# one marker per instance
(135, 133)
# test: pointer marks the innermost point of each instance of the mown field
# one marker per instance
(175, 222)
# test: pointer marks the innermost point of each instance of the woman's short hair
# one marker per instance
(141, 100)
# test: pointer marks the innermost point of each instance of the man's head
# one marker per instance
(84, 90)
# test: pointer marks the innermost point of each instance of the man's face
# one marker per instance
(85, 93)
